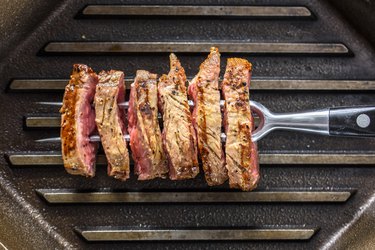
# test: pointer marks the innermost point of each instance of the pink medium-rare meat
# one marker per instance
(78, 122)
(110, 122)
(179, 139)
(144, 130)
(204, 90)
(241, 152)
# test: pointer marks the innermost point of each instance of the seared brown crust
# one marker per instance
(144, 130)
(179, 139)
(241, 152)
(77, 122)
(204, 90)
(110, 122)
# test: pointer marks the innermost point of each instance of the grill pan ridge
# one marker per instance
(315, 192)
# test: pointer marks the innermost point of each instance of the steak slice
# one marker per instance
(241, 152)
(144, 130)
(179, 139)
(110, 122)
(204, 90)
(78, 122)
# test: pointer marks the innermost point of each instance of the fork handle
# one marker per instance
(352, 121)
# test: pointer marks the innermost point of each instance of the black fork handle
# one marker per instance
(352, 121)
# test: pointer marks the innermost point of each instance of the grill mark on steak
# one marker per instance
(208, 150)
(203, 89)
(179, 139)
(241, 152)
(144, 130)
(180, 106)
(110, 120)
(78, 122)
(208, 132)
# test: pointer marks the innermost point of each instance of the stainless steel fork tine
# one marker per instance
(96, 138)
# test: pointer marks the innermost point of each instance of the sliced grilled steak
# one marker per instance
(241, 152)
(110, 122)
(144, 130)
(204, 90)
(78, 122)
(179, 139)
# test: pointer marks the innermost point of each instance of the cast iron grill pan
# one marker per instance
(305, 56)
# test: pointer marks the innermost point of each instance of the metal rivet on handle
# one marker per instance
(363, 120)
